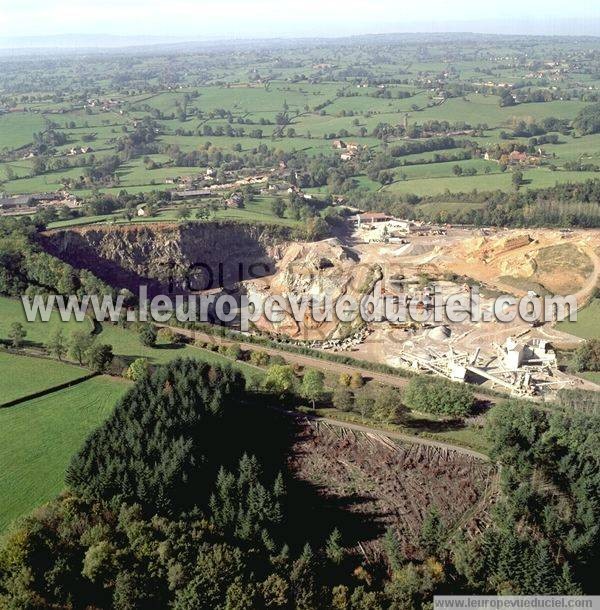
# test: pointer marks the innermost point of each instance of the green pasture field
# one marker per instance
(299, 144)
(585, 149)
(39, 437)
(19, 169)
(38, 333)
(258, 100)
(125, 343)
(313, 130)
(258, 210)
(479, 108)
(255, 214)
(445, 169)
(323, 91)
(17, 128)
(50, 181)
(448, 206)
(534, 178)
(22, 376)
(587, 325)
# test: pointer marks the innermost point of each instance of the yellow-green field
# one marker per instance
(22, 376)
(39, 437)
(587, 325)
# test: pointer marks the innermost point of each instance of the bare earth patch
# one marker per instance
(394, 484)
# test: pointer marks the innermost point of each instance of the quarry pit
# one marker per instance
(262, 261)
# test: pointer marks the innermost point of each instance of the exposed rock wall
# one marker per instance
(320, 270)
(261, 261)
(170, 257)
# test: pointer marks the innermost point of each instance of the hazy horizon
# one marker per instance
(23, 24)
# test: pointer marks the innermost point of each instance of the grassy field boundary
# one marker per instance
(41, 393)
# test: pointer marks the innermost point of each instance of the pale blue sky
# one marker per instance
(244, 18)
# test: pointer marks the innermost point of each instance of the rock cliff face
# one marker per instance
(322, 270)
(261, 261)
(170, 257)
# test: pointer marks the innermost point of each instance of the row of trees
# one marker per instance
(382, 403)
(563, 205)
(588, 120)
(81, 346)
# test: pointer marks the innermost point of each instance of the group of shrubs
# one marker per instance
(377, 402)
(424, 394)
(587, 357)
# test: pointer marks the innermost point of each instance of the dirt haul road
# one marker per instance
(398, 436)
(312, 362)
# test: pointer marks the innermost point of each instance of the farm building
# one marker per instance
(517, 157)
(15, 203)
(187, 194)
(55, 198)
(371, 217)
(30, 201)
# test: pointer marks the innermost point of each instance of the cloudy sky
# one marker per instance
(271, 18)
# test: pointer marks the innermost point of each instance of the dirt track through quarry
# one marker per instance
(312, 362)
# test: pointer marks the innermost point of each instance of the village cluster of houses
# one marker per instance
(26, 204)
(72, 152)
(205, 185)
(186, 184)
(516, 157)
(194, 187)
(105, 105)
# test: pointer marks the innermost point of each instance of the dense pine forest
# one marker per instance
(182, 500)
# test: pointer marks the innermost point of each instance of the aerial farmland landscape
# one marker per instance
(299, 315)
